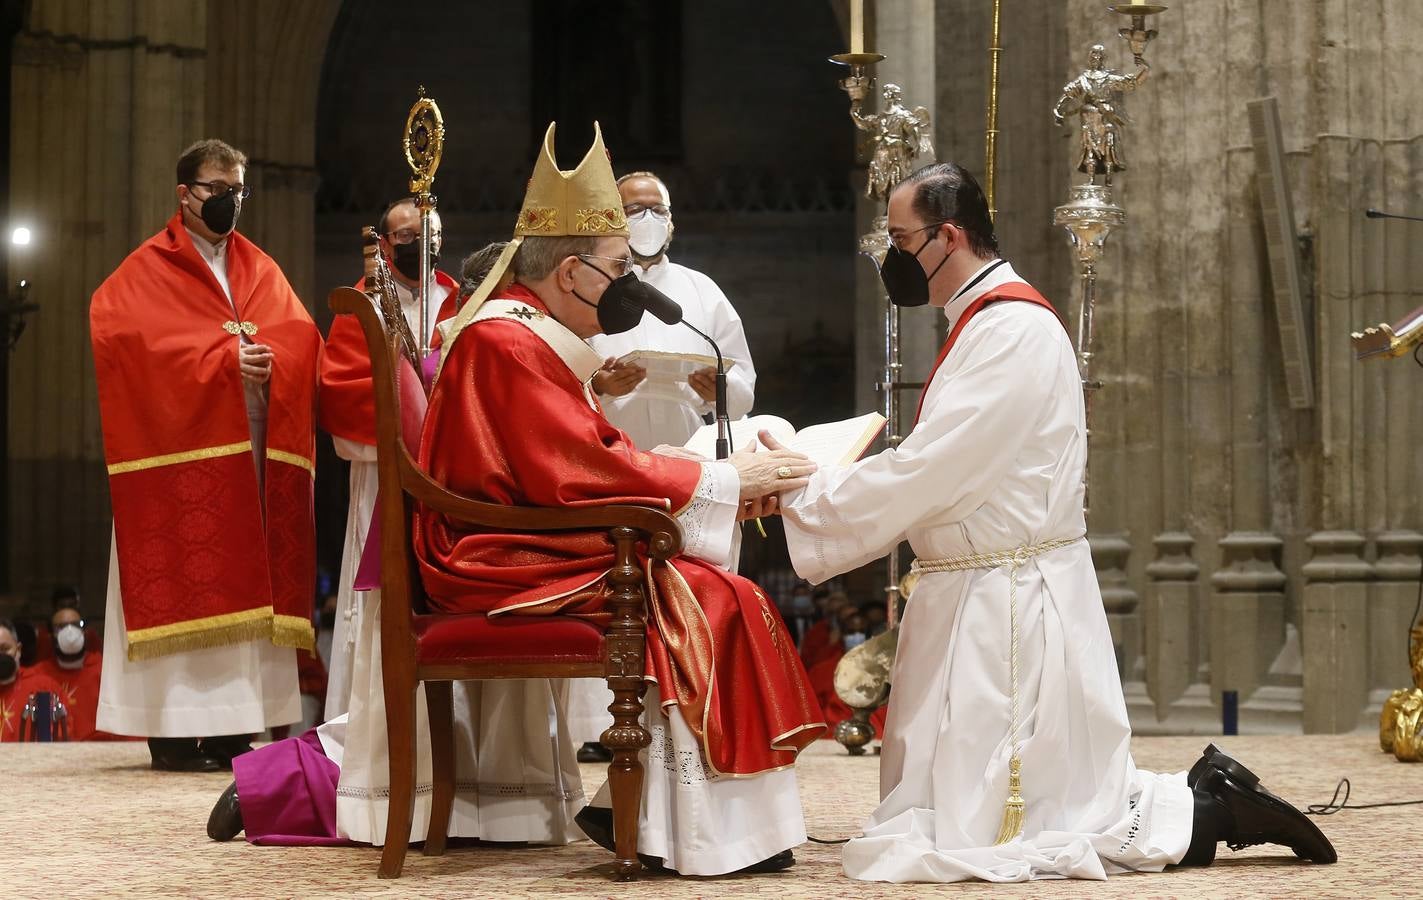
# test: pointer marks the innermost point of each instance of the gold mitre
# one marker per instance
(583, 202)
(580, 202)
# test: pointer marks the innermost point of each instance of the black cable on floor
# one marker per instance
(1335, 804)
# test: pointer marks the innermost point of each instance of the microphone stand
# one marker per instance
(723, 421)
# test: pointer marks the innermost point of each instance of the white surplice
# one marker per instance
(516, 775)
(994, 464)
(365, 483)
(241, 688)
(651, 420)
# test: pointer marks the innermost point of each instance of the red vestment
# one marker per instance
(79, 689)
(348, 406)
(509, 423)
(13, 696)
(203, 559)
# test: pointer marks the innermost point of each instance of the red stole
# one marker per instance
(348, 407)
(509, 423)
(199, 564)
(1012, 290)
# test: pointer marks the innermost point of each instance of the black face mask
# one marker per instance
(619, 309)
(8, 667)
(904, 278)
(407, 259)
(219, 214)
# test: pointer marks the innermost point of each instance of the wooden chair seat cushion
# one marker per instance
(474, 638)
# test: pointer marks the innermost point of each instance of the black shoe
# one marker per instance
(1247, 814)
(594, 752)
(225, 820)
(597, 823)
(225, 747)
(1214, 758)
(181, 755)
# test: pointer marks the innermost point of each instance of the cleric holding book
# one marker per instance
(648, 411)
(1007, 749)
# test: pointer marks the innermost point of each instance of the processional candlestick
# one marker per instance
(424, 144)
(1090, 213)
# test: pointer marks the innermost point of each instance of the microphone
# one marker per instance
(669, 311)
(1380, 214)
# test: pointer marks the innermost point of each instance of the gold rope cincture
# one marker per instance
(1012, 824)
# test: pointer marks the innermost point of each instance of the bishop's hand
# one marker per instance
(771, 472)
(255, 362)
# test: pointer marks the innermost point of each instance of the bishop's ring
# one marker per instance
(783, 472)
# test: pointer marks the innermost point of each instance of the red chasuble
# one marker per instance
(203, 560)
(510, 423)
(1012, 290)
(348, 406)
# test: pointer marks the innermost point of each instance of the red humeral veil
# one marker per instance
(198, 566)
(509, 423)
(348, 406)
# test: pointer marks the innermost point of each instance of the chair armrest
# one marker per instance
(664, 535)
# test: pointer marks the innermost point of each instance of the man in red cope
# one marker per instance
(206, 365)
(17, 683)
(512, 420)
(76, 671)
(348, 413)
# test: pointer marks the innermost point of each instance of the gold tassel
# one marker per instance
(1013, 809)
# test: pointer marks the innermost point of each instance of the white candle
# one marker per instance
(857, 26)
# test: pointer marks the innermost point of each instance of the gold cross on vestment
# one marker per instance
(235, 328)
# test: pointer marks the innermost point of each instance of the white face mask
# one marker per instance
(69, 639)
(648, 233)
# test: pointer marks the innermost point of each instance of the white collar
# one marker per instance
(1000, 276)
(208, 250)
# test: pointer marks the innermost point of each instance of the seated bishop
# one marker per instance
(512, 420)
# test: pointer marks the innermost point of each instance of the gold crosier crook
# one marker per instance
(424, 144)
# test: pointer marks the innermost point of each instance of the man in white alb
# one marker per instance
(651, 414)
(1007, 748)
(347, 412)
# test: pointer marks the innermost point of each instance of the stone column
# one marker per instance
(1247, 615)
(1393, 597)
(1334, 632)
(1169, 620)
(1110, 553)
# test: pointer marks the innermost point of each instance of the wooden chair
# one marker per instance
(436, 649)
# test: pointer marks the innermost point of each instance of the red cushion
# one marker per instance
(476, 638)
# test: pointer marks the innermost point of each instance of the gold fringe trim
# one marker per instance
(293, 631)
(1012, 824)
(173, 459)
(292, 459)
(200, 634)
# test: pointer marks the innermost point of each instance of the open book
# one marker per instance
(830, 444)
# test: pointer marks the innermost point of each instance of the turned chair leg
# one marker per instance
(439, 700)
(400, 733)
(626, 738)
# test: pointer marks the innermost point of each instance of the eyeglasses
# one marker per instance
(637, 209)
(902, 236)
(626, 264)
(222, 188)
(408, 236)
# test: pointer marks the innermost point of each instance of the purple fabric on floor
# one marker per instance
(287, 791)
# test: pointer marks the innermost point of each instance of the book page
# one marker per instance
(837, 443)
(743, 432)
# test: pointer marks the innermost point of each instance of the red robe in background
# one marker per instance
(348, 406)
(510, 423)
(13, 696)
(205, 560)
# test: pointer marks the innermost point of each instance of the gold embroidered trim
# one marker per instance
(236, 328)
(293, 631)
(200, 634)
(292, 459)
(173, 459)
(538, 218)
(600, 221)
